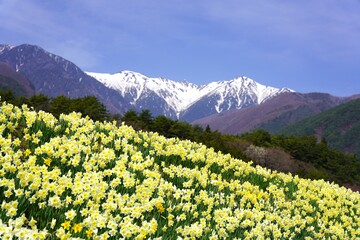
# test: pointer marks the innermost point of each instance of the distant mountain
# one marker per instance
(273, 115)
(53, 75)
(15, 81)
(339, 126)
(184, 100)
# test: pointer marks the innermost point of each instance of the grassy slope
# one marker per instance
(340, 126)
(74, 177)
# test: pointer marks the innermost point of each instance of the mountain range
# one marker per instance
(234, 106)
(185, 100)
(53, 75)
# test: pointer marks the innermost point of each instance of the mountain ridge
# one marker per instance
(53, 75)
(273, 115)
(181, 97)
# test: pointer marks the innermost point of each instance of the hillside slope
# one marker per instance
(12, 80)
(339, 126)
(75, 178)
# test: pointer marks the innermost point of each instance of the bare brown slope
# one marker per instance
(274, 114)
(15, 81)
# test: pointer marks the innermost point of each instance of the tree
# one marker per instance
(131, 118)
(39, 102)
(59, 105)
(162, 125)
(90, 106)
(182, 130)
(207, 129)
(259, 138)
(7, 96)
(145, 119)
(198, 132)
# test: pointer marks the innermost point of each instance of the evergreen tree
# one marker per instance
(59, 105)
(39, 102)
(146, 119)
(7, 96)
(162, 125)
(90, 106)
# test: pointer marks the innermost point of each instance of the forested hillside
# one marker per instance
(338, 126)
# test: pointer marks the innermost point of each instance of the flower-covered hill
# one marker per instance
(75, 178)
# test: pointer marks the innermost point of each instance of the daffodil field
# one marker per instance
(73, 178)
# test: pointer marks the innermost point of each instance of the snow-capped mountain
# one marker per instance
(186, 100)
(143, 92)
(238, 93)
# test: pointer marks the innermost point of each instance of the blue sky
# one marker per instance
(309, 45)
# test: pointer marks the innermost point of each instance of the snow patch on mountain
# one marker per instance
(4, 47)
